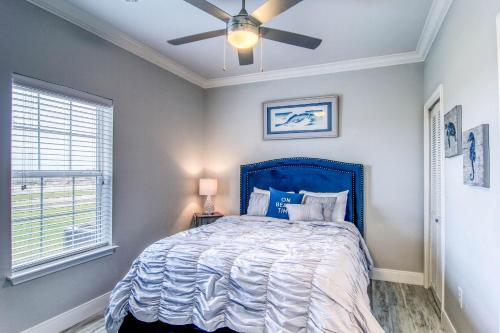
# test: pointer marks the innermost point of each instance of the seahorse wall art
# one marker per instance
(452, 131)
(471, 142)
(476, 167)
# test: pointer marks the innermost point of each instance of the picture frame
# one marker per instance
(453, 132)
(304, 118)
(476, 161)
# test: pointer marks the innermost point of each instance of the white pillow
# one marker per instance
(258, 204)
(328, 204)
(310, 212)
(339, 210)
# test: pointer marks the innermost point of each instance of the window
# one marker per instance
(61, 183)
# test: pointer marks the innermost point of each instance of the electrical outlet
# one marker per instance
(460, 297)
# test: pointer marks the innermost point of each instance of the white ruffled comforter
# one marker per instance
(252, 274)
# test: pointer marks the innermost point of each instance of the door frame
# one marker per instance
(437, 97)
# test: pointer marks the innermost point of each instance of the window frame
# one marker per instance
(58, 261)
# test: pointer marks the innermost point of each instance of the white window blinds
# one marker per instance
(61, 185)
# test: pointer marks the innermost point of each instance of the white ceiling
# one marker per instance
(350, 29)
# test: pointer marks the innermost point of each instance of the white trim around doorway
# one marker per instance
(437, 97)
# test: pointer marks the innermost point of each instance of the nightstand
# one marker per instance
(200, 219)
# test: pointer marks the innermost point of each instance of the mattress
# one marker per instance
(252, 274)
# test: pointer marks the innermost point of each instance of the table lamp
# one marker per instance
(208, 187)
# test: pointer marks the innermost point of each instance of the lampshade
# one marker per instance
(208, 186)
(242, 39)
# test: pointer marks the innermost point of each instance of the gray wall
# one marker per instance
(464, 60)
(380, 126)
(159, 123)
(158, 139)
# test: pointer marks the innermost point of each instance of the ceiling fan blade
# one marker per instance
(197, 37)
(213, 10)
(273, 8)
(290, 38)
(245, 56)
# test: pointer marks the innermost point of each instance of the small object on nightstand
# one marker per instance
(200, 219)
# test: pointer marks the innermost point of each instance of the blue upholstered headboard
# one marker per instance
(310, 174)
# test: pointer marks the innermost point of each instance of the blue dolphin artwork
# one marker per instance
(314, 117)
(299, 118)
(472, 154)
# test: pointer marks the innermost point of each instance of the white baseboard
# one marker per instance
(446, 324)
(71, 317)
(392, 275)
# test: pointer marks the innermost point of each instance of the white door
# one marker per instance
(436, 152)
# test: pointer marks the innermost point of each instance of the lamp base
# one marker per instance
(209, 207)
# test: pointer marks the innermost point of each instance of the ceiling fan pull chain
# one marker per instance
(224, 68)
(261, 53)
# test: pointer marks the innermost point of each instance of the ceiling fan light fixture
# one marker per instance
(242, 39)
(242, 32)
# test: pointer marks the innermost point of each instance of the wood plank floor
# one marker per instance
(402, 308)
(399, 308)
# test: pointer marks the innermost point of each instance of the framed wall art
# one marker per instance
(476, 156)
(315, 117)
(453, 132)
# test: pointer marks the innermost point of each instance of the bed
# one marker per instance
(257, 274)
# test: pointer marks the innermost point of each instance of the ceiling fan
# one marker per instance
(243, 30)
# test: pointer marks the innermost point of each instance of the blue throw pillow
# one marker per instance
(278, 200)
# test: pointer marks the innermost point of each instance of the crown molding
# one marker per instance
(437, 13)
(321, 69)
(106, 31)
(71, 13)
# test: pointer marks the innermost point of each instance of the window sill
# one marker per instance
(58, 265)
